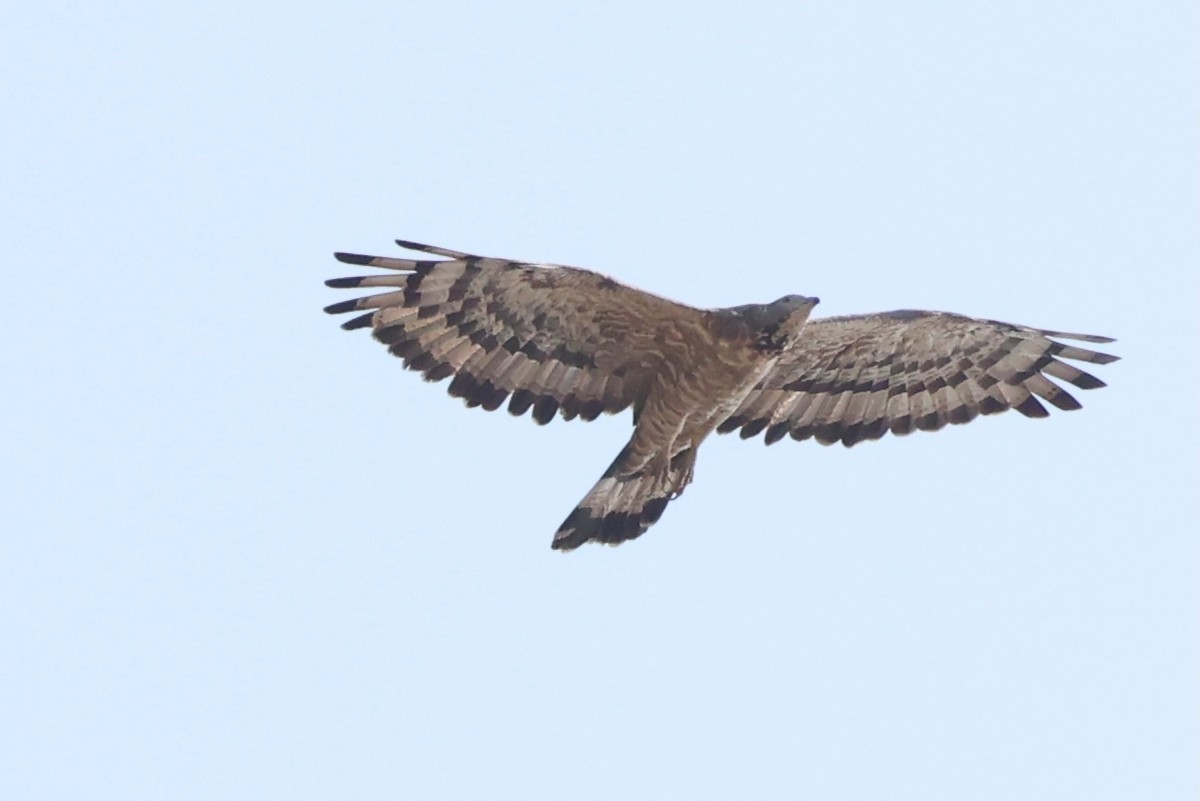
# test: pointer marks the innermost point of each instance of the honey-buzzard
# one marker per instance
(561, 340)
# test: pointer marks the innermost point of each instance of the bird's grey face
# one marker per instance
(783, 320)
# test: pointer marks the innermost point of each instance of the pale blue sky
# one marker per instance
(247, 556)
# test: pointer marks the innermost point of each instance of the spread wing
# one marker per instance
(856, 378)
(546, 337)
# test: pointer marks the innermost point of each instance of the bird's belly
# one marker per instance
(714, 401)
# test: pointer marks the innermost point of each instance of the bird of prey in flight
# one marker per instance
(556, 340)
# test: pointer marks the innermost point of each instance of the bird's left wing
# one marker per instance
(855, 378)
(544, 337)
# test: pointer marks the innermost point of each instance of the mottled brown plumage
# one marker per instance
(561, 340)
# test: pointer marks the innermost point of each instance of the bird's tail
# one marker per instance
(623, 505)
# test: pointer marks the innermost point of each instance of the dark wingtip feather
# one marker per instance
(353, 258)
(439, 371)
(342, 307)
(408, 244)
(989, 405)
(1065, 401)
(731, 424)
(776, 433)
(544, 409)
(591, 409)
(1081, 354)
(520, 402)
(753, 427)
(344, 283)
(959, 415)
(865, 432)
(362, 321)
(1087, 381)
(1085, 337)
(1031, 408)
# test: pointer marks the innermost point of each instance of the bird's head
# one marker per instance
(778, 325)
(773, 327)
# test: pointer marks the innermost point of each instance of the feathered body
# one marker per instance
(551, 339)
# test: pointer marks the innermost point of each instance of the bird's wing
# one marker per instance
(855, 378)
(544, 337)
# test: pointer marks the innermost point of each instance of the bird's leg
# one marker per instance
(671, 474)
(682, 470)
